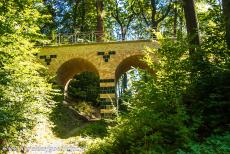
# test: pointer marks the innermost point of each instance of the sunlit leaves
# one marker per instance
(24, 91)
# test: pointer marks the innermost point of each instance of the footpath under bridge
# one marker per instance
(109, 60)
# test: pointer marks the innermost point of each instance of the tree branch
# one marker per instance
(143, 15)
(166, 13)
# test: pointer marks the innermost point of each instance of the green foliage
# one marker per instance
(213, 144)
(24, 91)
(95, 129)
(207, 99)
(85, 87)
(208, 102)
(74, 16)
(156, 119)
(177, 107)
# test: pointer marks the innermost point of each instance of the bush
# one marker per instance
(212, 145)
(94, 129)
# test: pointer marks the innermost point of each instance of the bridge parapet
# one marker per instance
(90, 37)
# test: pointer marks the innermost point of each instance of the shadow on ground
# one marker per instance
(67, 123)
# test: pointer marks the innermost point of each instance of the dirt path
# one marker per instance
(46, 142)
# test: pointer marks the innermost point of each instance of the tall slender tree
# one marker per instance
(226, 12)
(100, 20)
(175, 23)
(193, 34)
(191, 22)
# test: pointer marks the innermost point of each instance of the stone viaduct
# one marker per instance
(108, 60)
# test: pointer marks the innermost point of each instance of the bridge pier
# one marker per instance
(107, 97)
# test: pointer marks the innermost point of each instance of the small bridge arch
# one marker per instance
(73, 67)
(127, 63)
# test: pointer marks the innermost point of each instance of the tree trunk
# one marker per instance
(123, 33)
(100, 21)
(75, 24)
(175, 22)
(153, 15)
(193, 35)
(83, 10)
(124, 82)
(191, 22)
(180, 30)
(226, 12)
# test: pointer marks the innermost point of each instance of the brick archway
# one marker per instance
(73, 67)
(135, 61)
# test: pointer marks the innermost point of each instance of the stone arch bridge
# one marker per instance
(108, 60)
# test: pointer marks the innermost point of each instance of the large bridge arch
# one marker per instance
(72, 67)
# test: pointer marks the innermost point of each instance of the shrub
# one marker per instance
(212, 145)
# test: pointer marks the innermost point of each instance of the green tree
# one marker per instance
(191, 22)
(49, 27)
(153, 12)
(173, 24)
(122, 12)
(100, 20)
(24, 91)
(226, 12)
(196, 54)
(77, 16)
(207, 98)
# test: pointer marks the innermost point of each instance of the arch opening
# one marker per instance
(73, 67)
(127, 64)
(126, 73)
(81, 83)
